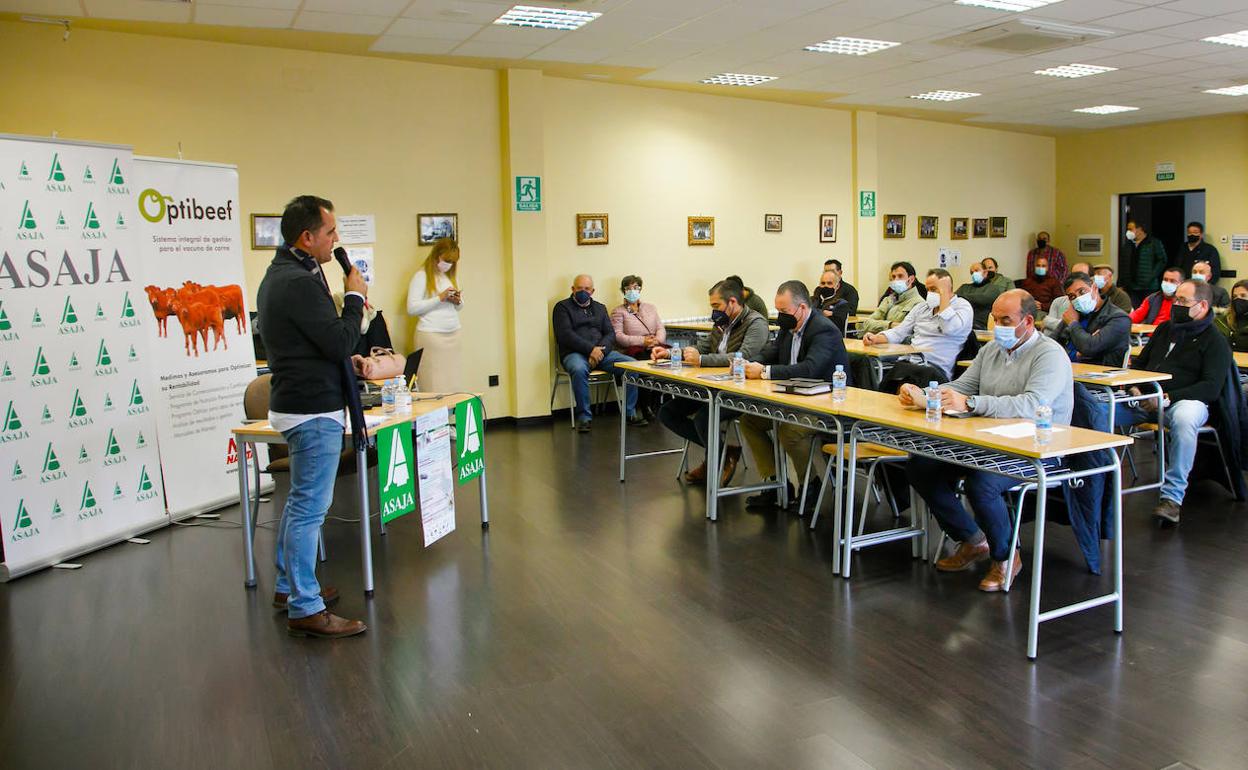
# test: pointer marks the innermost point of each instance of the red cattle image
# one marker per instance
(199, 309)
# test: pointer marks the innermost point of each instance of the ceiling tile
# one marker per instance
(948, 17)
(285, 5)
(1190, 50)
(138, 10)
(1205, 7)
(432, 30)
(502, 33)
(416, 45)
(234, 16)
(563, 53)
(1147, 20)
(365, 7)
(1086, 11)
(680, 11)
(1138, 41)
(458, 11)
(488, 50)
(345, 23)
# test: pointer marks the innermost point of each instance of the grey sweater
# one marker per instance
(1013, 386)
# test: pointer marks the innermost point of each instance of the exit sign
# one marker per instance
(1165, 172)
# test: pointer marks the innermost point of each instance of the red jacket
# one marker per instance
(1044, 290)
(1144, 314)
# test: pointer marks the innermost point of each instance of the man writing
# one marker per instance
(307, 343)
(941, 324)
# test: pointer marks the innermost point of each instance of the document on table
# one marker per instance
(370, 421)
(1017, 430)
(437, 486)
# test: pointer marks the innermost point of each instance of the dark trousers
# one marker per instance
(936, 482)
(687, 419)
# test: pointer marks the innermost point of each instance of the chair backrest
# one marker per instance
(256, 398)
(412, 367)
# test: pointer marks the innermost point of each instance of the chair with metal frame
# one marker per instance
(598, 379)
(870, 458)
(734, 425)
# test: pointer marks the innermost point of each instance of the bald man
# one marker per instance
(1012, 375)
(586, 342)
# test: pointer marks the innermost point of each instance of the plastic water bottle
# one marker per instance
(403, 400)
(839, 381)
(387, 397)
(1044, 424)
(676, 359)
(738, 368)
(933, 402)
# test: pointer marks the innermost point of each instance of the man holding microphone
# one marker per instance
(307, 343)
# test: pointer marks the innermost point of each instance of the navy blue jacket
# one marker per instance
(581, 329)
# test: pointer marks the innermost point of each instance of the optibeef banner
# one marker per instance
(193, 295)
(78, 453)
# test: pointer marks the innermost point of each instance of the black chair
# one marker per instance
(412, 367)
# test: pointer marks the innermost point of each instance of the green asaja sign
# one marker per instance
(395, 479)
(469, 440)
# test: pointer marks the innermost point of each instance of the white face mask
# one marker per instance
(933, 299)
(1168, 288)
(444, 266)
(1099, 280)
(1130, 235)
(1199, 277)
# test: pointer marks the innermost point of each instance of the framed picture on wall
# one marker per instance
(959, 228)
(434, 227)
(266, 231)
(996, 227)
(827, 228)
(591, 230)
(701, 231)
(773, 223)
(894, 225)
(979, 228)
(928, 226)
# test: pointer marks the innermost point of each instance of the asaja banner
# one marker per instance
(469, 440)
(396, 485)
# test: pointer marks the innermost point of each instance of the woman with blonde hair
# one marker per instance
(434, 297)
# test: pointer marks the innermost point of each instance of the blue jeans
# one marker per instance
(937, 482)
(1183, 419)
(315, 447)
(578, 367)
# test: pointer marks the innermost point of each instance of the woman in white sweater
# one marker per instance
(434, 297)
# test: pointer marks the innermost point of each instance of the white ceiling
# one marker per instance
(1163, 66)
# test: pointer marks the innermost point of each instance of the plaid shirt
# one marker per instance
(1057, 261)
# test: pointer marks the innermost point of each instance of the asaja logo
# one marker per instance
(56, 510)
(23, 526)
(88, 508)
(91, 224)
(116, 491)
(99, 312)
(132, 356)
(56, 177)
(27, 227)
(108, 403)
(121, 221)
(112, 450)
(78, 416)
(141, 443)
(12, 429)
(146, 490)
(42, 373)
(136, 400)
(6, 326)
(83, 457)
(104, 362)
(61, 224)
(6, 374)
(69, 319)
(73, 362)
(128, 318)
(87, 176)
(18, 474)
(23, 173)
(117, 182)
(52, 470)
(36, 321)
(46, 417)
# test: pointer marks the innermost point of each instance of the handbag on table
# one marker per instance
(379, 364)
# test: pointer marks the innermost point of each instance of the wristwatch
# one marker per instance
(970, 403)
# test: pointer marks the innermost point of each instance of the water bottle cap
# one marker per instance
(931, 384)
(840, 367)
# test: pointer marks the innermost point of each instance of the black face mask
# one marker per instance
(788, 322)
(1041, 243)
(1180, 314)
(1193, 239)
(1240, 306)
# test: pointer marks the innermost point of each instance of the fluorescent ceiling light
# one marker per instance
(1230, 91)
(737, 79)
(546, 18)
(1008, 5)
(1075, 70)
(945, 96)
(1106, 109)
(854, 46)
(1239, 38)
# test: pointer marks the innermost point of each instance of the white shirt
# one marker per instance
(943, 333)
(435, 315)
(794, 348)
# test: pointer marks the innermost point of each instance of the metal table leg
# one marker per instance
(244, 499)
(623, 435)
(366, 543)
(1037, 562)
(845, 514)
(485, 496)
(712, 460)
(1116, 504)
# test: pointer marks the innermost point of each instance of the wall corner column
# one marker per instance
(867, 230)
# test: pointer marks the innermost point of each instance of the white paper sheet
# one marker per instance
(357, 228)
(1017, 430)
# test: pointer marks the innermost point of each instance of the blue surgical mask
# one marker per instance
(977, 277)
(1084, 304)
(898, 287)
(1099, 280)
(1041, 272)
(1005, 336)
(719, 318)
(582, 298)
(1169, 288)
(632, 295)
(1199, 277)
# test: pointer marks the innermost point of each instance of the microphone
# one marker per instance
(340, 254)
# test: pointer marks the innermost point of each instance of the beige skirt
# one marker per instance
(439, 364)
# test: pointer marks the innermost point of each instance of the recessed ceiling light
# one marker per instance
(1008, 5)
(945, 96)
(546, 18)
(1075, 70)
(1239, 38)
(737, 79)
(1106, 109)
(854, 46)
(1230, 91)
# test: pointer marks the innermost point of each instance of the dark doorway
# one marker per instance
(1164, 214)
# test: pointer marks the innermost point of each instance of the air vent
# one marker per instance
(1025, 36)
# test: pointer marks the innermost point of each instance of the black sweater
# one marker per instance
(305, 338)
(1198, 363)
(581, 329)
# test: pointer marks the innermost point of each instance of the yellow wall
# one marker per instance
(1208, 153)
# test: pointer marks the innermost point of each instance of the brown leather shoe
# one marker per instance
(325, 625)
(995, 579)
(964, 557)
(329, 595)
(1167, 512)
(697, 475)
(732, 455)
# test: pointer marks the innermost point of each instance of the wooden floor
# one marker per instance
(606, 625)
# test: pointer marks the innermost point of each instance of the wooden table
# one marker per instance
(879, 354)
(260, 432)
(1241, 359)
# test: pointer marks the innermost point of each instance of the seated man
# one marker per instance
(1155, 309)
(1092, 330)
(902, 297)
(1103, 277)
(586, 342)
(1190, 349)
(1059, 305)
(835, 298)
(992, 274)
(981, 293)
(1043, 287)
(752, 300)
(941, 324)
(809, 345)
(1203, 271)
(737, 329)
(1011, 376)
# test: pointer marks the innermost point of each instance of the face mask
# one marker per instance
(1099, 280)
(1181, 314)
(1041, 272)
(1085, 304)
(933, 300)
(1193, 238)
(1041, 243)
(444, 266)
(786, 321)
(898, 287)
(1240, 306)
(977, 277)
(632, 295)
(719, 318)
(1005, 336)
(1168, 288)
(1130, 235)
(1199, 277)
(582, 298)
